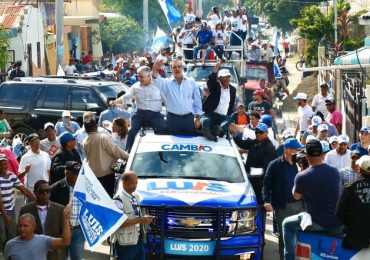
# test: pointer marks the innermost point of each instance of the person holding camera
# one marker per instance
(66, 124)
(278, 184)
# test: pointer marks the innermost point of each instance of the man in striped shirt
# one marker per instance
(8, 183)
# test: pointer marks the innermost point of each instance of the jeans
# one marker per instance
(291, 226)
(219, 50)
(291, 208)
(216, 119)
(144, 118)
(7, 233)
(201, 47)
(134, 252)
(76, 249)
(180, 124)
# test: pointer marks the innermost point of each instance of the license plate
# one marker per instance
(181, 247)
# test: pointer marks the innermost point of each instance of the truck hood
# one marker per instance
(251, 85)
(192, 192)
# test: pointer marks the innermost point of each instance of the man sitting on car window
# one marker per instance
(219, 105)
(205, 39)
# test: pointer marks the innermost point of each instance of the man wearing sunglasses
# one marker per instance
(261, 152)
(48, 215)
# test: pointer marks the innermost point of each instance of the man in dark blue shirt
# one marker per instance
(205, 38)
(277, 187)
(364, 137)
(318, 185)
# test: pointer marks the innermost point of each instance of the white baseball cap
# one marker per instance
(288, 133)
(333, 139)
(48, 124)
(224, 73)
(66, 113)
(343, 139)
(301, 95)
(364, 163)
(323, 127)
(316, 121)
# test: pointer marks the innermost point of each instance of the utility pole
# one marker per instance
(145, 20)
(59, 24)
(335, 22)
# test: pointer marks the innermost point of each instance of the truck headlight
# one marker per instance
(242, 221)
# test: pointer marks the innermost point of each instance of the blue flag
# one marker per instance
(170, 11)
(275, 40)
(159, 41)
(99, 217)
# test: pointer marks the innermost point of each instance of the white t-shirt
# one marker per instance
(319, 102)
(188, 37)
(219, 37)
(235, 23)
(303, 115)
(70, 69)
(244, 26)
(267, 55)
(40, 166)
(213, 19)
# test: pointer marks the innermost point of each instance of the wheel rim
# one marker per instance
(21, 136)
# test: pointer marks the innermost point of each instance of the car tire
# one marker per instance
(22, 133)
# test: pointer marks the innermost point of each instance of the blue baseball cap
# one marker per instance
(293, 143)
(267, 120)
(261, 126)
(65, 137)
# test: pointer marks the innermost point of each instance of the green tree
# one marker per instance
(134, 9)
(121, 34)
(316, 28)
(4, 44)
(278, 12)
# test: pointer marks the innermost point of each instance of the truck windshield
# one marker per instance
(111, 90)
(197, 165)
(256, 73)
(201, 73)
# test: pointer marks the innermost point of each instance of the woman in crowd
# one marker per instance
(119, 132)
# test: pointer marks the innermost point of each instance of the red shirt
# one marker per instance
(88, 58)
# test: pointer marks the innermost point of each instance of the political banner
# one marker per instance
(99, 217)
(171, 12)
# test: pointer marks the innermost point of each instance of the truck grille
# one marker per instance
(188, 222)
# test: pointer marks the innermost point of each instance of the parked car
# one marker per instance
(29, 103)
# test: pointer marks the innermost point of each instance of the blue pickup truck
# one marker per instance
(201, 198)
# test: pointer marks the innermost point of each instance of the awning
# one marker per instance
(360, 56)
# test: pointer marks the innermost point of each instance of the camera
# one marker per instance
(300, 158)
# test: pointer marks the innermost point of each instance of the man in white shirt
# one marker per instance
(35, 164)
(70, 69)
(304, 113)
(341, 156)
(50, 144)
(318, 102)
(267, 54)
(219, 105)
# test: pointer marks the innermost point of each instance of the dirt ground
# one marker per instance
(308, 86)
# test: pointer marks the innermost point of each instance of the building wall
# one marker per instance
(32, 32)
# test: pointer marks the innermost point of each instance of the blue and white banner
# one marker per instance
(170, 11)
(160, 40)
(99, 217)
(275, 40)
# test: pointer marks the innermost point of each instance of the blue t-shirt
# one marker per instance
(357, 146)
(204, 36)
(36, 248)
(320, 188)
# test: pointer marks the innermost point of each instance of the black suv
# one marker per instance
(29, 103)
